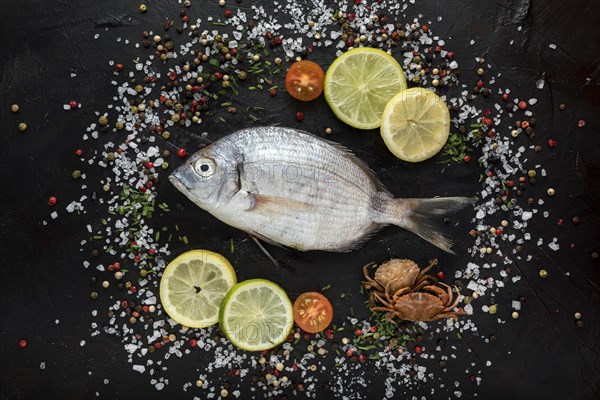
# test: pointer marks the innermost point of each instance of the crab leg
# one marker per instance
(456, 300)
(426, 270)
(370, 282)
(439, 293)
(385, 302)
(399, 293)
(449, 293)
(451, 315)
(387, 291)
(422, 284)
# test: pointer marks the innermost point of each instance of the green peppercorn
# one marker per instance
(103, 120)
(94, 295)
(166, 135)
(110, 156)
(169, 45)
(119, 125)
(242, 75)
(175, 117)
(76, 174)
(134, 109)
(417, 59)
(139, 88)
(178, 107)
(143, 8)
(22, 126)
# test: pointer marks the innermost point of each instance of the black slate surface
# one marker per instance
(542, 355)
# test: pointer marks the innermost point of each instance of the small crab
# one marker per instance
(405, 291)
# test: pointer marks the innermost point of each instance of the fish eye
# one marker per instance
(204, 167)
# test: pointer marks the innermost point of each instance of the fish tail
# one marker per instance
(419, 216)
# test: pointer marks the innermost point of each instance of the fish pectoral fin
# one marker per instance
(276, 205)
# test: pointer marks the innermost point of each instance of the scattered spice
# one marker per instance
(185, 94)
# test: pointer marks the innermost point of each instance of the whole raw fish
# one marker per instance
(292, 188)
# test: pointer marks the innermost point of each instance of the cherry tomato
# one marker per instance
(304, 80)
(313, 312)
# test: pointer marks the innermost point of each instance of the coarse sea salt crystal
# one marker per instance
(540, 84)
(516, 305)
(139, 368)
(552, 46)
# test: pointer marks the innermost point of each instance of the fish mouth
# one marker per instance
(178, 183)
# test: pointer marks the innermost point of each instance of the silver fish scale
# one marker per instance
(304, 169)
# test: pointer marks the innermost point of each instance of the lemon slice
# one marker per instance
(193, 286)
(359, 83)
(256, 315)
(415, 124)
